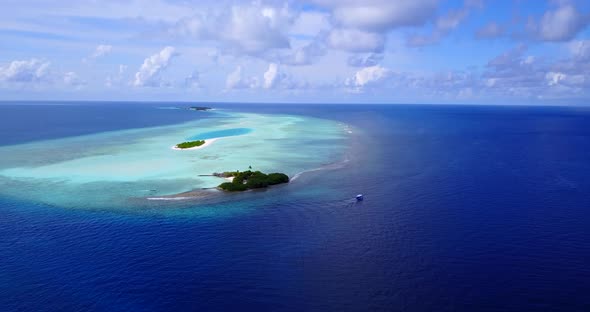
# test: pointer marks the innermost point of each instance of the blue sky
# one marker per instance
(372, 51)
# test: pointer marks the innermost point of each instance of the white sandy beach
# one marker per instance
(207, 143)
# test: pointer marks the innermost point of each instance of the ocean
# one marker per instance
(467, 208)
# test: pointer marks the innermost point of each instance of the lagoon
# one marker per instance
(120, 168)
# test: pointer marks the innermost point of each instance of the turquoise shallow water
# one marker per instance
(220, 133)
(123, 168)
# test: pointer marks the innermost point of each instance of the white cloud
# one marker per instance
(33, 70)
(368, 76)
(101, 51)
(580, 49)
(146, 9)
(148, 74)
(561, 24)
(235, 80)
(490, 82)
(516, 75)
(465, 93)
(553, 78)
(305, 55)
(271, 76)
(562, 79)
(360, 60)
(451, 20)
(528, 60)
(251, 29)
(380, 15)
(354, 40)
(490, 30)
(332, 40)
(73, 80)
(117, 78)
(255, 29)
(275, 78)
(310, 24)
(442, 27)
(509, 60)
(193, 80)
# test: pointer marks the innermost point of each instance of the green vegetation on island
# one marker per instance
(247, 180)
(226, 174)
(190, 144)
(199, 108)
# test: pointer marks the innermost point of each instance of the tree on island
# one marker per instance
(199, 108)
(190, 144)
(253, 180)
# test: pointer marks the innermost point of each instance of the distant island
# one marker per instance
(190, 144)
(199, 108)
(247, 180)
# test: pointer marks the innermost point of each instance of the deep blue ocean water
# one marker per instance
(467, 208)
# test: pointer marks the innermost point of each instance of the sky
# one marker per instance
(318, 51)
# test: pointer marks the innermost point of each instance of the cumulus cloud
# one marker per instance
(443, 25)
(193, 80)
(72, 79)
(310, 24)
(560, 24)
(282, 36)
(235, 80)
(442, 86)
(447, 83)
(261, 28)
(489, 31)
(26, 71)
(275, 78)
(508, 60)
(354, 40)
(365, 60)
(380, 15)
(149, 72)
(305, 55)
(580, 50)
(101, 51)
(575, 83)
(251, 29)
(367, 76)
(35, 71)
(116, 79)
(516, 74)
(554, 78)
(271, 76)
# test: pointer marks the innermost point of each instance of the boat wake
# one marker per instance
(332, 166)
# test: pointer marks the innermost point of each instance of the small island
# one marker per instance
(190, 144)
(247, 180)
(199, 108)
